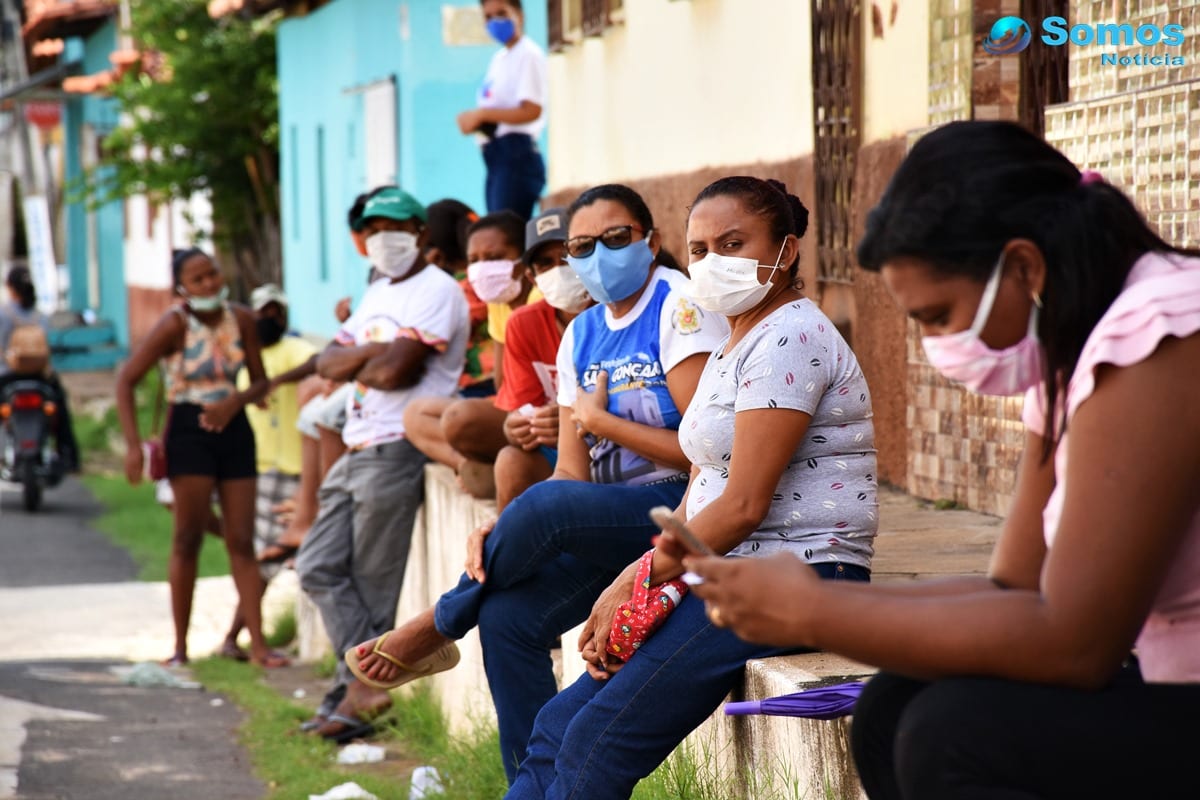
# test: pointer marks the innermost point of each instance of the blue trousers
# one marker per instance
(516, 174)
(596, 739)
(552, 552)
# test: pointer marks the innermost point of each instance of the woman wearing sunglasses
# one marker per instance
(627, 368)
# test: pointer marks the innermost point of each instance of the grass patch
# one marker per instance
(282, 630)
(134, 521)
(416, 732)
(292, 766)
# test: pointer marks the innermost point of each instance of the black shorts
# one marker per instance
(191, 450)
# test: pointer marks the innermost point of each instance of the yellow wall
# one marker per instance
(680, 85)
(895, 96)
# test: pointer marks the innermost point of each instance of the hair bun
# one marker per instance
(799, 214)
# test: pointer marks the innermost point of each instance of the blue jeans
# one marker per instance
(516, 174)
(552, 552)
(596, 739)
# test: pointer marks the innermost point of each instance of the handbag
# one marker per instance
(154, 449)
(643, 613)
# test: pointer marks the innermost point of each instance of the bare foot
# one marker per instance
(411, 642)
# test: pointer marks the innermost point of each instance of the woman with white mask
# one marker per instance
(781, 444)
(1072, 669)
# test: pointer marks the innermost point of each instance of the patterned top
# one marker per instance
(1161, 298)
(205, 370)
(824, 507)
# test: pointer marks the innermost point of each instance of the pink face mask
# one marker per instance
(963, 357)
(493, 281)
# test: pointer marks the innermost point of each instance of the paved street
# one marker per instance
(74, 620)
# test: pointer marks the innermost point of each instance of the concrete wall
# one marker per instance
(325, 59)
(680, 86)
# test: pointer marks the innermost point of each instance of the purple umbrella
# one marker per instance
(824, 702)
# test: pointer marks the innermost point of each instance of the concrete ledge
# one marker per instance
(810, 758)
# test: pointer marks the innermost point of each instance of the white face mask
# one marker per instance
(564, 290)
(392, 253)
(493, 281)
(213, 302)
(966, 358)
(728, 285)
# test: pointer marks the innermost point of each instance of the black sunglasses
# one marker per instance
(614, 239)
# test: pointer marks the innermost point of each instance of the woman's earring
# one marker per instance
(1037, 300)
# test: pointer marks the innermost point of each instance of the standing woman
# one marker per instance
(202, 345)
(510, 112)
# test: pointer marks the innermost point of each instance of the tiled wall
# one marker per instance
(1138, 125)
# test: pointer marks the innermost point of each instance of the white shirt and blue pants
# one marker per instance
(516, 171)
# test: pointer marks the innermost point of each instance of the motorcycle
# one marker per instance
(28, 418)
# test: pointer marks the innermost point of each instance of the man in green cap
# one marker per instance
(407, 338)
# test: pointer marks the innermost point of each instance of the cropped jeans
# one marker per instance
(553, 551)
(596, 739)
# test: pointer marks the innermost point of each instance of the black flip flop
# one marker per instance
(355, 729)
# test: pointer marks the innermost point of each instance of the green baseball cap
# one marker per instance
(394, 204)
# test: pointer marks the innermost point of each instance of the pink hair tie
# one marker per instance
(1090, 176)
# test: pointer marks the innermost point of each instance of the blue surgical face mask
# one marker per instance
(613, 275)
(502, 29)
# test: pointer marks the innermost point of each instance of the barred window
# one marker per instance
(836, 64)
(1044, 70)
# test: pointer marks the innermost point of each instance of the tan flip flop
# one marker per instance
(446, 657)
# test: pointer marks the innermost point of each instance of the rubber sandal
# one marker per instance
(274, 660)
(355, 729)
(446, 657)
(175, 661)
(233, 652)
(314, 722)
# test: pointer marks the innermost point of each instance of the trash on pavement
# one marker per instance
(346, 791)
(360, 753)
(426, 784)
(148, 673)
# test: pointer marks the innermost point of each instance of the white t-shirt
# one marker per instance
(428, 307)
(514, 75)
(637, 351)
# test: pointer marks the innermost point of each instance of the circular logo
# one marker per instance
(1008, 35)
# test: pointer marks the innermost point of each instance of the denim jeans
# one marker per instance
(516, 174)
(552, 552)
(596, 739)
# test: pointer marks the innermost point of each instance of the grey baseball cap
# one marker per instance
(549, 226)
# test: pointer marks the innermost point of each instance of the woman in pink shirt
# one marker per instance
(1073, 668)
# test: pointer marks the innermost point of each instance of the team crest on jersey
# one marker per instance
(685, 319)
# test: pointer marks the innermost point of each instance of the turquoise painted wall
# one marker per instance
(322, 58)
(109, 229)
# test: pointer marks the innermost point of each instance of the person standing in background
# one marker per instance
(511, 112)
(286, 359)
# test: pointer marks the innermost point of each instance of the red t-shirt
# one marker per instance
(530, 353)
